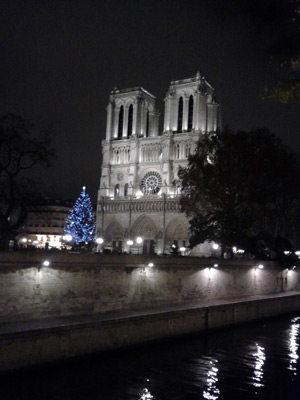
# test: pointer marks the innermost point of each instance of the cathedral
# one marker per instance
(138, 206)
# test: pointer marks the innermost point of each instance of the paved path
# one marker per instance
(52, 323)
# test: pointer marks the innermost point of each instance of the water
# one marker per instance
(257, 361)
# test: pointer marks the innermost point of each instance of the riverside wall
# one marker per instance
(84, 284)
(44, 345)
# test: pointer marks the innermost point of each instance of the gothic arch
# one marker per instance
(144, 227)
(114, 231)
(180, 114)
(176, 230)
(120, 122)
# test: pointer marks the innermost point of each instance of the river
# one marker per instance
(255, 361)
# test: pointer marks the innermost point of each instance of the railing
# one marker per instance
(121, 205)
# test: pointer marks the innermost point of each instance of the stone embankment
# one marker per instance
(82, 304)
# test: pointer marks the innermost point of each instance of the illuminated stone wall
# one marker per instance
(76, 284)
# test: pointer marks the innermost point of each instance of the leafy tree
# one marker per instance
(21, 149)
(287, 86)
(241, 188)
(81, 222)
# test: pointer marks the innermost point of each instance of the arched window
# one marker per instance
(117, 190)
(187, 150)
(117, 157)
(120, 126)
(147, 124)
(177, 151)
(177, 188)
(130, 119)
(191, 111)
(126, 189)
(180, 112)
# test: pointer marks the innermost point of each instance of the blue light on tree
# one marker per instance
(81, 222)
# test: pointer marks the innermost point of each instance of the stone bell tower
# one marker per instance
(139, 186)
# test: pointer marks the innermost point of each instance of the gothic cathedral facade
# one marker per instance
(139, 185)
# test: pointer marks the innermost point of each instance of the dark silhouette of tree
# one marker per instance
(21, 149)
(241, 186)
(287, 85)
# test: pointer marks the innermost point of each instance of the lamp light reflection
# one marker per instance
(260, 359)
(212, 392)
(146, 395)
(293, 345)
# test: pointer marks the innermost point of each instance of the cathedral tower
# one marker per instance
(139, 186)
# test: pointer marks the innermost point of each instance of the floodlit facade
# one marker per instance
(139, 186)
(44, 225)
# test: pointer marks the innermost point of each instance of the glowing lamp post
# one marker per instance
(129, 243)
(99, 242)
(139, 241)
(182, 250)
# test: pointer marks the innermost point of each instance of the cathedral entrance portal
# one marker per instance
(148, 246)
(145, 228)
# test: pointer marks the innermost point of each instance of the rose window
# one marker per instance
(151, 183)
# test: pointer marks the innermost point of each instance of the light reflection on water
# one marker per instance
(146, 395)
(294, 344)
(211, 392)
(257, 361)
(260, 358)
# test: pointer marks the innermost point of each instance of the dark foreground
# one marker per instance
(257, 361)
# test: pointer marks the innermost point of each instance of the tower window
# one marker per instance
(130, 119)
(187, 150)
(177, 151)
(190, 114)
(147, 124)
(180, 113)
(120, 126)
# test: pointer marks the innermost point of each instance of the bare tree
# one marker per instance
(21, 149)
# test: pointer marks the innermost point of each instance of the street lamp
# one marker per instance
(99, 242)
(182, 250)
(129, 243)
(139, 240)
(68, 238)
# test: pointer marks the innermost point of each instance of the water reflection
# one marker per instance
(212, 392)
(146, 395)
(260, 359)
(294, 344)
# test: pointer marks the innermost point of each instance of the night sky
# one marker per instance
(61, 59)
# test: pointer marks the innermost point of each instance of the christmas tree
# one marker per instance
(81, 222)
